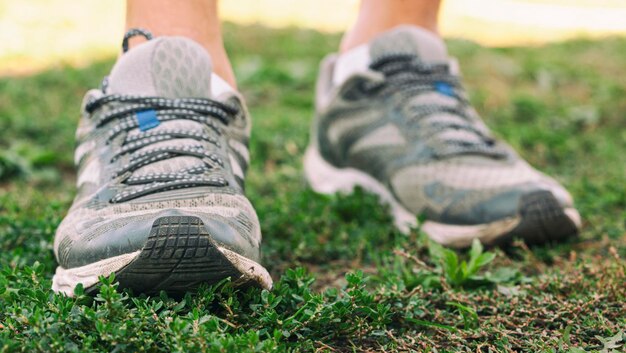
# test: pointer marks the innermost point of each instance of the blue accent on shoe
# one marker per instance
(444, 88)
(147, 120)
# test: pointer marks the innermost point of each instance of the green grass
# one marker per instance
(345, 280)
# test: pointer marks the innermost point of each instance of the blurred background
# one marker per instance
(37, 34)
(548, 76)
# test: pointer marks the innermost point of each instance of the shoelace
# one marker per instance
(409, 76)
(128, 116)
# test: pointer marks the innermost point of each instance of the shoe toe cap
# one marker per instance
(82, 242)
(486, 206)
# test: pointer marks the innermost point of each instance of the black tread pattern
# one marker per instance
(178, 256)
(543, 220)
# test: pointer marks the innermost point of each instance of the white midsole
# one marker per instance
(327, 179)
(65, 280)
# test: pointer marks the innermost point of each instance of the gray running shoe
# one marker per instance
(162, 152)
(393, 118)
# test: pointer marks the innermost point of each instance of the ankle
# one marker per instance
(377, 16)
(220, 61)
(194, 19)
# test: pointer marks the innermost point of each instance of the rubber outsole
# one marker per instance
(178, 257)
(541, 219)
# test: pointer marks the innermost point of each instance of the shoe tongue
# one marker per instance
(170, 67)
(407, 40)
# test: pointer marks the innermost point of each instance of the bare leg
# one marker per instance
(194, 19)
(377, 16)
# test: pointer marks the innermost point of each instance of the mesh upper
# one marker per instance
(95, 228)
(386, 133)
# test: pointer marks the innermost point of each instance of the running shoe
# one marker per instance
(393, 118)
(162, 150)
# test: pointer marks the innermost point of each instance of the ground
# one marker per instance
(345, 280)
